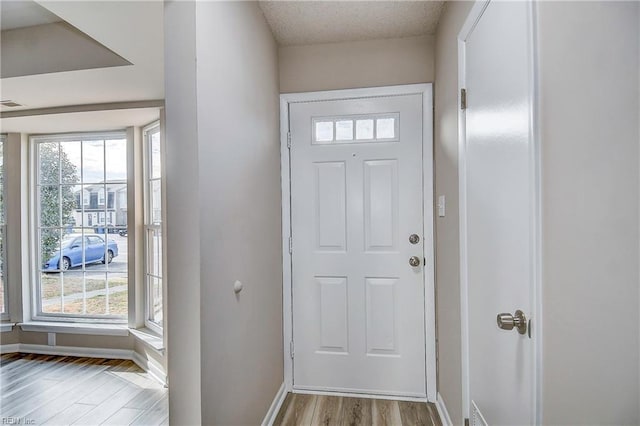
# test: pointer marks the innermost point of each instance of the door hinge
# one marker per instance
(463, 99)
(290, 245)
(289, 140)
(291, 349)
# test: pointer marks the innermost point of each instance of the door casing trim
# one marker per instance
(535, 197)
(426, 91)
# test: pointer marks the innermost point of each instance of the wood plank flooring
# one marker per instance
(301, 409)
(57, 390)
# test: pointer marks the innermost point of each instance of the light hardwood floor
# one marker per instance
(300, 409)
(56, 390)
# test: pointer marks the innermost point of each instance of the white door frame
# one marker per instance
(536, 201)
(426, 91)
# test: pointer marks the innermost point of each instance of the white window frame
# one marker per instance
(3, 225)
(34, 226)
(151, 226)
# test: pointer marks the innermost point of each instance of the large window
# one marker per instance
(153, 227)
(80, 239)
(4, 309)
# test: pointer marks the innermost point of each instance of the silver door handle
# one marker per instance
(414, 261)
(506, 321)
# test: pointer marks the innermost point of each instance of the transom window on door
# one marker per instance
(153, 227)
(356, 129)
(4, 309)
(80, 232)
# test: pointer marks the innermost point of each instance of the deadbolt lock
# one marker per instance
(518, 321)
(414, 239)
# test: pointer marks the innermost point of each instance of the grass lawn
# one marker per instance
(95, 305)
(73, 284)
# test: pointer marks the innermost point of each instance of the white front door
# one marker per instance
(498, 188)
(356, 198)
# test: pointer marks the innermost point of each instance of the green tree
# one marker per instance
(57, 202)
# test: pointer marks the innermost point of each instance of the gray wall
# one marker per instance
(447, 232)
(182, 214)
(239, 154)
(228, 168)
(348, 65)
(590, 193)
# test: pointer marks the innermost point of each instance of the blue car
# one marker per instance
(71, 248)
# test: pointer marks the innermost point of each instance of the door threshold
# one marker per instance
(361, 395)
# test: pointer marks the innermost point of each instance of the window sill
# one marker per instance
(154, 340)
(75, 328)
(6, 327)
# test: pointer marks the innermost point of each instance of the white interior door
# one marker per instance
(356, 198)
(498, 189)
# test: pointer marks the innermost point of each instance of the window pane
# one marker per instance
(156, 201)
(364, 129)
(93, 166)
(156, 158)
(118, 293)
(155, 253)
(324, 131)
(2, 280)
(344, 130)
(51, 292)
(385, 128)
(73, 287)
(156, 298)
(96, 296)
(49, 163)
(153, 235)
(116, 150)
(49, 242)
(78, 240)
(71, 161)
(49, 206)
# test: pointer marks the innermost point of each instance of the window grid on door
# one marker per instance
(356, 129)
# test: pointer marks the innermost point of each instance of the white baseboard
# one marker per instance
(275, 406)
(76, 351)
(152, 367)
(442, 411)
(9, 349)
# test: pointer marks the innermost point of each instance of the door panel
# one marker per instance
(499, 162)
(356, 197)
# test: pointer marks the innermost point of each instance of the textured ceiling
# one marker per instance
(310, 22)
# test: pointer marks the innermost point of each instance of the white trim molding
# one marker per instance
(151, 366)
(274, 409)
(76, 328)
(535, 198)
(443, 412)
(426, 91)
(10, 348)
(6, 326)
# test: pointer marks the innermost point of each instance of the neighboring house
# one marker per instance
(101, 205)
